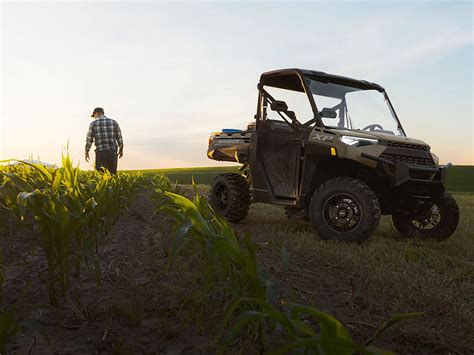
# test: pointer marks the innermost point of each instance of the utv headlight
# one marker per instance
(358, 141)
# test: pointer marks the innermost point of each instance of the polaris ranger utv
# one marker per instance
(331, 149)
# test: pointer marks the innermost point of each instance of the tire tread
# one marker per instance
(362, 189)
(404, 225)
(239, 196)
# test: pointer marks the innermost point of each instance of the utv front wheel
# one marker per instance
(230, 196)
(344, 209)
(437, 219)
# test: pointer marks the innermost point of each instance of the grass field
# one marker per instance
(460, 178)
(202, 175)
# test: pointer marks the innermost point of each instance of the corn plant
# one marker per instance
(58, 210)
(232, 266)
(73, 210)
(71, 207)
(229, 267)
(161, 184)
(300, 336)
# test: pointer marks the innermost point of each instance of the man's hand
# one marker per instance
(120, 153)
(87, 157)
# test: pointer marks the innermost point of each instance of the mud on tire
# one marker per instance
(446, 222)
(344, 209)
(230, 196)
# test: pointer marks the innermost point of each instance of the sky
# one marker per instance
(172, 72)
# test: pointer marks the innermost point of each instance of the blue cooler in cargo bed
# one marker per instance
(231, 130)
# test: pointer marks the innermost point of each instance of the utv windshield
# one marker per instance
(347, 107)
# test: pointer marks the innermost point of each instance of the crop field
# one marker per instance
(135, 263)
(460, 178)
(203, 175)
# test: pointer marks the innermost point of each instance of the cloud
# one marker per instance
(172, 73)
(387, 43)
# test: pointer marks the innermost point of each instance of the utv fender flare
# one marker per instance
(328, 168)
(325, 169)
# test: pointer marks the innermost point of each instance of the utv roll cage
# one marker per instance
(294, 80)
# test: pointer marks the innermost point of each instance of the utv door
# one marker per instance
(275, 161)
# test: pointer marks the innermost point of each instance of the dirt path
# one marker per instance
(132, 311)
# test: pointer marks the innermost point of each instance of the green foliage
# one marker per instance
(187, 175)
(231, 266)
(72, 208)
(460, 178)
(161, 183)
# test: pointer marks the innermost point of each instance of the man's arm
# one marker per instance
(89, 140)
(119, 139)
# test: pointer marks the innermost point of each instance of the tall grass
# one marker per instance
(231, 268)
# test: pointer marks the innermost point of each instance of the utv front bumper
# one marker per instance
(410, 180)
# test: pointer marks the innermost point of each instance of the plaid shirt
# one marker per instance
(106, 134)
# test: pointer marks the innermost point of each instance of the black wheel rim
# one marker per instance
(428, 220)
(221, 196)
(342, 212)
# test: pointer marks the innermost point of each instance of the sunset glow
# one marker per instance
(172, 73)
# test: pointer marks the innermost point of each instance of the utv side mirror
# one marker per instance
(328, 113)
(291, 115)
(279, 106)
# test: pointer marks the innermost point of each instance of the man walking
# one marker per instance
(105, 133)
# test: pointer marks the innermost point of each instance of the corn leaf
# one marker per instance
(393, 320)
(20, 183)
(331, 328)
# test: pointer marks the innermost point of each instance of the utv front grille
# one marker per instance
(407, 145)
(409, 160)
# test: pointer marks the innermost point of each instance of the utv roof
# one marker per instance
(289, 79)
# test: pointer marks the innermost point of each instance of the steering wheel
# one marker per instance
(372, 127)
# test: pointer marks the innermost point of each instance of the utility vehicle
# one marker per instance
(331, 149)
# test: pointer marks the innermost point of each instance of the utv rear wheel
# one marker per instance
(230, 196)
(344, 209)
(437, 219)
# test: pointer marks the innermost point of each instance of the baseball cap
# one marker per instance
(97, 110)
